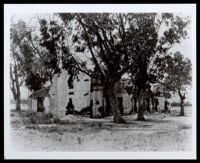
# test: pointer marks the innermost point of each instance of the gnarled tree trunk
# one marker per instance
(135, 105)
(182, 112)
(166, 106)
(18, 108)
(117, 118)
(18, 98)
(15, 86)
(182, 97)
(141, 105)
(153, 104)
(148, 105)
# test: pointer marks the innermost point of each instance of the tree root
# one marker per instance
(120, 120)
(141, 119)
(181, 114)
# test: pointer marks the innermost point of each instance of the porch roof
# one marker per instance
(40, 93)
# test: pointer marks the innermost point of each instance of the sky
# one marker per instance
(184, 47)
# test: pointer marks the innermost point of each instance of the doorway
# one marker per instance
(120, 105)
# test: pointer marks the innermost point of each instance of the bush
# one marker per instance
(97, 125)
(32, 117)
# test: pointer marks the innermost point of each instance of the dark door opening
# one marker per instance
(148, 104)
(120, 104)
(69, 107)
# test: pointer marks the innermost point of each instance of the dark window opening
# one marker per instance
(97, 102)
(70, 82)
(70, 93)
(86, 79)
(86, 94)
(71, 79)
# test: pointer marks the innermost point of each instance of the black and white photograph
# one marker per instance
(100, 81)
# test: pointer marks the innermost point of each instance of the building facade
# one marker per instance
(84, 93)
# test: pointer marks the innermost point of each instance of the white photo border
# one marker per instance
(10, 9)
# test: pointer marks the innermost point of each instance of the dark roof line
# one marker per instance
(40, 91)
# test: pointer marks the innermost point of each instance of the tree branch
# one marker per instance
(90, 47)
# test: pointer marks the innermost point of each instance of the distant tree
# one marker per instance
(15, 82)
(17, 34)
(156, 37)
(31, 57)
(178, 70)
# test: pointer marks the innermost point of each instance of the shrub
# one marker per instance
(32, 117)
(28, 113)
(97, 125)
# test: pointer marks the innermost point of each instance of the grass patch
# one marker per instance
(185, 127)
(32, 117)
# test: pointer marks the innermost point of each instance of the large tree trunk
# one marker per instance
(135, 105)
(148, 105)
(18, 99)
(18, 108)
(182, 113)
(182, 97)
(156, 105)
(15, 86)
(117, 118)
(40, 104)
(141, 105)
(166, 106)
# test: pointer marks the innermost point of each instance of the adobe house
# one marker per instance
(82, 93)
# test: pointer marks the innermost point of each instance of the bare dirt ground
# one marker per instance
(160, 132)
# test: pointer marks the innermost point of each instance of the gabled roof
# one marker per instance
(40, 93)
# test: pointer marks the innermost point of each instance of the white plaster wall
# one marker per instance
(59, 93)
(170, 102)
(81, 87)
(161, 104)
(53, 94)
(34, 104)
(150, 104)
(47, 104)
(97, 95)
(127, 103)
(62, 91)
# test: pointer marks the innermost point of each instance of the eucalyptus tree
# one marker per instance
(159, 35)
(106, 46)
(112, 42)
(17, 34)
(179, 75)
(31, 58)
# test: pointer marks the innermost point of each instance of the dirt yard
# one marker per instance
(160, 132)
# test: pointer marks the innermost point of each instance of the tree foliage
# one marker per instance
(32, 58)
(179, 72)
(149, 67)
(126, 43)
(104, 46)
(16, 79)
(179, 75)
